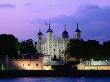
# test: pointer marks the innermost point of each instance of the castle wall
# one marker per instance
(94, 65)
(25, 64)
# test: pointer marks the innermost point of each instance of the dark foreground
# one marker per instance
(23, 73)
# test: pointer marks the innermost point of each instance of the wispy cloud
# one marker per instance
(7, 5)
(28, 4)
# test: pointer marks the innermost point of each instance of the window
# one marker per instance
(54, 50)
(36, 64)
(44, 48)
(54, 57)
(28, 64)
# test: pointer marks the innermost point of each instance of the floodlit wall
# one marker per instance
(25, 64)
(94, 65)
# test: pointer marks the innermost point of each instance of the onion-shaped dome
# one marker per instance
(39, 33)
(77, 29)
(65, 34)
(49, 29)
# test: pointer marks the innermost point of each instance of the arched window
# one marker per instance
(54, 58)
(28, 64)
(36, 64)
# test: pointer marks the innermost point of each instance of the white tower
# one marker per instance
(78, 33)
(40, 41)
(49, 40)
(49, 35)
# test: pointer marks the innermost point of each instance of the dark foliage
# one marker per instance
(8, 45)
(106, 49)
(27, 47)
(90, 49)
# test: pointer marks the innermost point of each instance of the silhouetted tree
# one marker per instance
(93, 49)
(106, 49)
(8, 46)
(84, 49)
(75, 48)
(27, 47)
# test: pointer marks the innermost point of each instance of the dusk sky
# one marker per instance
(24, 18)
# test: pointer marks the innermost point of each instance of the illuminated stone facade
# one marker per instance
(94, 65)
(52, 48)
(26, 64)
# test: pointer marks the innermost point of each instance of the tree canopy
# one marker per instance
(90, 49)
(27, 47)
(8, 45)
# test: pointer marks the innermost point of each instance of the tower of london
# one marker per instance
(53, 49)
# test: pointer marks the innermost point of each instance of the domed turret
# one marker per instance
(77, 29)
(39, 33)
(39, 42)
(77, 33)
(49, 34)
(49, 29)
(65, 34)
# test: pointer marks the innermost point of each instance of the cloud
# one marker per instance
(28, 4)
(7, 5)
(93, 21)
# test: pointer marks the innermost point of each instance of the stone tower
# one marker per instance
(77, 33)
(49, 34)
(48, 45)
(40, 41)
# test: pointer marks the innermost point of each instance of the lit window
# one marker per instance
(36, 64)
(28, 64)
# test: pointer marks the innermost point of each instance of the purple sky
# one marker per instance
(23, 18)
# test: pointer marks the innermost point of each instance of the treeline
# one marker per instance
(88, 50)
(28, 47)
(91, 49)
(9, 45)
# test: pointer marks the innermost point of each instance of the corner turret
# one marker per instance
(77, 33)
(40, 41)
(65, 34)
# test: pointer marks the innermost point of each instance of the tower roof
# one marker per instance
(65, 31)
(49, 29)
(77, 29)
(39, 33)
